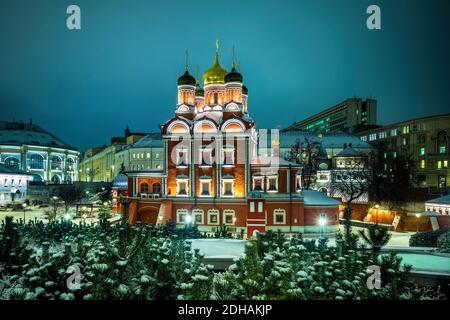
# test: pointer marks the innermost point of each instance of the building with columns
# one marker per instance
(212, 174)
(30, 148)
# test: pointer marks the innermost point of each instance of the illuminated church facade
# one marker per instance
(213, 176)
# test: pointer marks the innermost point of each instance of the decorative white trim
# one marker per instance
(213, 212)
(227, 180)
(278, 212)
(198, 125)
(182, 212)
(198, 212)
(233, 121)
(173, 124)
(229, 212)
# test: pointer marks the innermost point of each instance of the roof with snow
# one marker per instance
(18, 134)
(120, 182)
(440, 200)
(316, 198)
(328, 140)
(272, 161)
(148, 141)
(349, 152)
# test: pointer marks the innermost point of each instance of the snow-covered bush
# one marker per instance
(425, 239)
(443, 242)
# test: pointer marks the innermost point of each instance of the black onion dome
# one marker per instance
(186, 79)
(233, 76)
(244, 90)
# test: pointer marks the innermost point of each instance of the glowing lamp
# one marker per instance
(188, 218)
(322, 221)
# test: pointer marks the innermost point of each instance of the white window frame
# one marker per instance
(254, 178)
(227, 180)
(229, 212)
(205, 181)
(202, 151)
(182, 212)
(213, 212)
(178, 187)
(224, 153)
(260, 207)
(198, 212)
(185, 151)
(268, 178)
(277, 212)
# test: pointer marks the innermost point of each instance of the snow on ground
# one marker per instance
(38, 214)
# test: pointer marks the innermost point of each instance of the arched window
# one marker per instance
(156, 188)
(55, 162)
(70, 164)
(144, 187)
(36, 161)
(56, 179)
(12, 162)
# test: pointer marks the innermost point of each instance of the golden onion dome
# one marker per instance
(216, 74)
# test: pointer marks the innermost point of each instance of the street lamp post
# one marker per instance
(417, 222)
(322, 223)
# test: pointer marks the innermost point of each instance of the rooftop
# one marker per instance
(19, 133)
(440, 200)
(328, 140)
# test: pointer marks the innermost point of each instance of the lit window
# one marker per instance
(439, 164)
(373, 137)
(272, 184)
(205, 185)
(393, 132)
(260, 206)
(422, 151)
(279, 216)
(228, 157)
(182, 157)
(206, 156)
(228, 187)
(198, 216)
(445, 164)
(364, 138)
(213, 216)
(229, 217)
(252, 206)
(148, 155)
(405, 129)
(394, 154)
(382, 135)
(442, 149)
(182, 215)
(182, 187)
(258, 183)
(422, 164)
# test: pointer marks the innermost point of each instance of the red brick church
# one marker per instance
(213, 175)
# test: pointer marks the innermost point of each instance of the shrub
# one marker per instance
(426, 239)
(443, 242)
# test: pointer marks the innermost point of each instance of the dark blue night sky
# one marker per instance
(297, 57)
